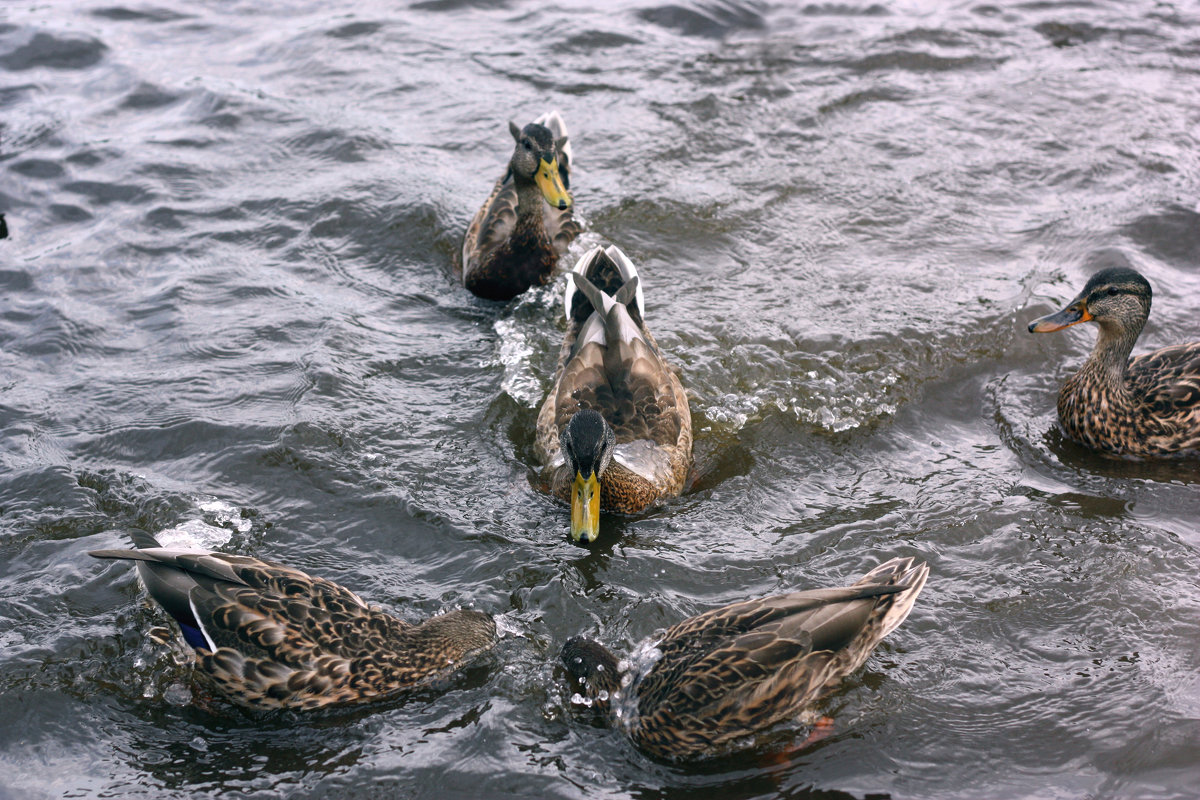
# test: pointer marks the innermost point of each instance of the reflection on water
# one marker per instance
(228, 312)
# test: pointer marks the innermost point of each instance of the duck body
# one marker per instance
(614, 432)
(270, 636)
(1145, 407)
(723, 676)
(517, 236)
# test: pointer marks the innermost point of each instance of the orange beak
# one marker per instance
(1071, 315)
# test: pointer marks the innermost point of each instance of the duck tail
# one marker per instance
(143, 539)
(907, 573)
(609, 270)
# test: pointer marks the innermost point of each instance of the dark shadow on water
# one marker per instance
(195, 748)
(717, 456)
(212, 741)
(753, 786)
(762, 771)
(1185, 471)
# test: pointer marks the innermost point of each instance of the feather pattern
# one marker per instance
(275, 637)
(610, 363)
(730, 673)
(515, 239)
(1144, 407)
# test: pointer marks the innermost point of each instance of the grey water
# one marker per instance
(228, 313)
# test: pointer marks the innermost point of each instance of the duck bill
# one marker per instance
(550, 183)
(1071, 315)
(585, 508)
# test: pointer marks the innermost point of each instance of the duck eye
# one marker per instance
(1112, 291)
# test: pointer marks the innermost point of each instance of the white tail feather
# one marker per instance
(584, 267)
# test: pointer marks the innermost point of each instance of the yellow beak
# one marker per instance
(585, 508)
(551, 185)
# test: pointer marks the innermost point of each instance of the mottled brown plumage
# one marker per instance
(517, 236)
(610, 364)
(1148, 406)
(715, 680)
(269, 636)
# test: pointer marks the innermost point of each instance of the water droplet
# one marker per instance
(177, 695)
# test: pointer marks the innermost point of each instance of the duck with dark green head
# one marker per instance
(1148, 406)
(615, 432)
(517, 236)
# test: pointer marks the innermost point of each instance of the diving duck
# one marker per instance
(1148, 406)
(269, 636)
(615, 432)
(715, 680)
(516, 238)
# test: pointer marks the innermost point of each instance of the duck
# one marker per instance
(614, 432)
(517, 236)
(714, 681)
(268, 636)
(1144, 407)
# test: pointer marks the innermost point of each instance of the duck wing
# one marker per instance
(492, 225)
(1169, 380)
(739, 669)
(580, 373)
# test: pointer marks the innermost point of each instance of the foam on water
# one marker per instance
(519, 381)
(827, 405)
(225, 515)
(195, 535)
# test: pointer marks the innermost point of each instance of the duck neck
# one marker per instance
(1109, 361)
(529, 201)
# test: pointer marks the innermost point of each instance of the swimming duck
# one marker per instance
(269, 636)
(516, 238)
(717, 679)
(615, 432)
(1145, 407)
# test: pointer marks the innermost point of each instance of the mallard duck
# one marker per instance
(1145, 407)
(516, 238)
(717, 679)
(615, 431)
(269, 636)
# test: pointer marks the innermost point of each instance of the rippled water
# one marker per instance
(227, 312)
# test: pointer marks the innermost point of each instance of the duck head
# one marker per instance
(591, 664)
(587, 443)
(535, 160)
(1117, 299)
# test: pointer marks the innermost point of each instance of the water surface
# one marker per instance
(227, 312)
